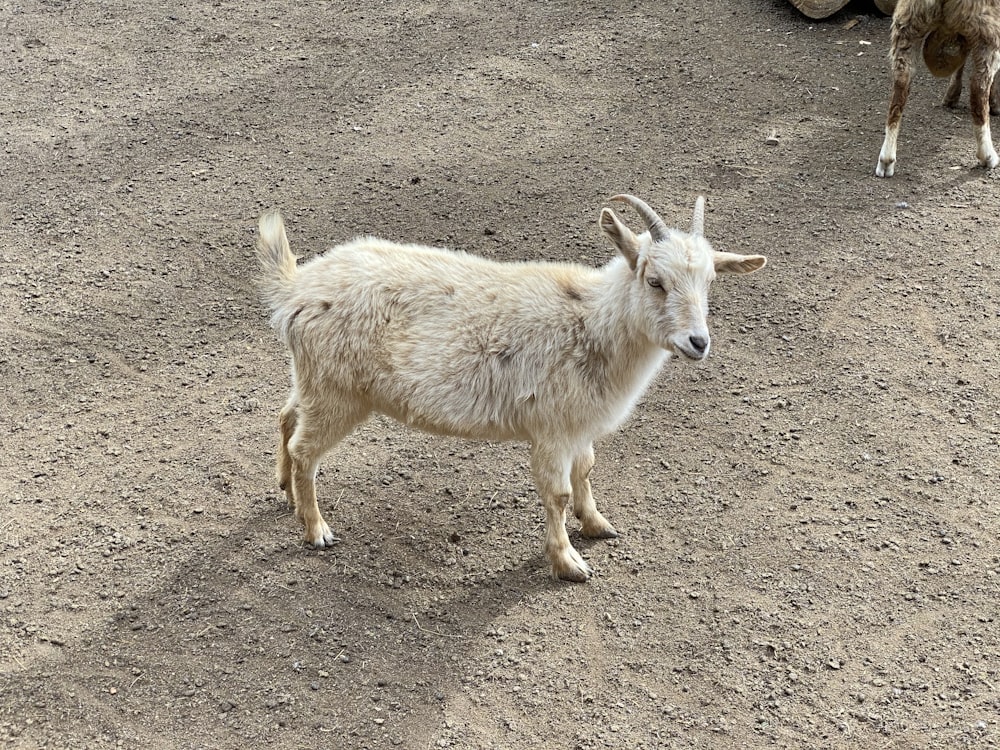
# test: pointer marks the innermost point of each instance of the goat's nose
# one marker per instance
(699, 343)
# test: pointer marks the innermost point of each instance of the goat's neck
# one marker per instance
(616, 322)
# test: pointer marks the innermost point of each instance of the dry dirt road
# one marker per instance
(809, 536)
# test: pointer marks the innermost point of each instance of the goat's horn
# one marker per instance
(657, 229)
(698, 222)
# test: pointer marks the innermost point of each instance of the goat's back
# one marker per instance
(978, 21)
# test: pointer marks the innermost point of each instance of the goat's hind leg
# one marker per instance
(287, 420)
(592, 524)
(315, 433)
(552, 478)
(985, 63)
(901, 57)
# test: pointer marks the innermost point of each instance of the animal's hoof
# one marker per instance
(990, 161)
(574, 575)
(603, 532)
(883, 169)
(595, 526)
(571, 567)
(323, 537)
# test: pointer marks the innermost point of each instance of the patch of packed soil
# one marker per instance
(809, 537)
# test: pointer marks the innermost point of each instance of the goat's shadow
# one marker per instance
(273, 631)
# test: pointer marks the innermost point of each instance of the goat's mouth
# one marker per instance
(694, 348)
(693, 356)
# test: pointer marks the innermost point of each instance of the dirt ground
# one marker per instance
(809, 536)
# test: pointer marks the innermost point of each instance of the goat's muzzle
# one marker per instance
(694, 347)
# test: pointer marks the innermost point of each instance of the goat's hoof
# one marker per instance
(885, 169)
(990, 161)
(608, 533)
(604, 531)
(321, 538)
(576, 575)
(572, 568)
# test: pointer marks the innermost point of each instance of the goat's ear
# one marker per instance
(623, 237)
(733, 263)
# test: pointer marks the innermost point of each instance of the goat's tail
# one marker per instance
(275, 258)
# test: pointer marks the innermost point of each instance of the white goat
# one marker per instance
(551, 353)
(951, 32)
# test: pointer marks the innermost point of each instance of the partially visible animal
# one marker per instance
(952, 32)
(555, 354)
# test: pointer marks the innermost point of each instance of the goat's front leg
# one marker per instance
(592, 524)
(985, 65)
(902, 72)
(552, 478)
(954, 92)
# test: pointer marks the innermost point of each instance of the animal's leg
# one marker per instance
(552, 478)
(902, 71)
(985, 63)
(286, 424)
(315, 433)
(954, 92)
(592, 524)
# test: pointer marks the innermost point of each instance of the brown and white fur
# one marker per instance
(954, 92)
(554, 354)
(976, 25)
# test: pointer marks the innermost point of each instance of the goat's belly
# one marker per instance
(460, 414)
(453, 422)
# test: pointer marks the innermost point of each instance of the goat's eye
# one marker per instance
(654, 282)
